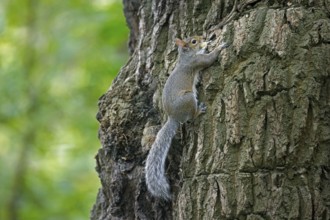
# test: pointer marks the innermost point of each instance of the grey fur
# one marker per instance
(180, 104)
(155, 166)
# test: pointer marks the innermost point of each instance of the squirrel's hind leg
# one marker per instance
(185, 106)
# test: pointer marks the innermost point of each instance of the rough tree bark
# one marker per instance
(262, 150)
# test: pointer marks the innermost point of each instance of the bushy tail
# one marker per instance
(155, 166)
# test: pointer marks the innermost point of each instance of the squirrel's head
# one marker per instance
(192, 45)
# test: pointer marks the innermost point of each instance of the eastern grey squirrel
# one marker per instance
(180, 104)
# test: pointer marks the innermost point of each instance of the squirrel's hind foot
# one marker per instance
(201, 108)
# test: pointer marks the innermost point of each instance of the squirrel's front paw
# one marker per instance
(224, 45)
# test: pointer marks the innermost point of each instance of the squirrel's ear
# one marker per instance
(179, 42)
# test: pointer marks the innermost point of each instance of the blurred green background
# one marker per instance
(56, 59)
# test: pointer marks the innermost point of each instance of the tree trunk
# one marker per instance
(262, 150)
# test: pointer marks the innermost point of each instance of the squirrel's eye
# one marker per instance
(193, 41)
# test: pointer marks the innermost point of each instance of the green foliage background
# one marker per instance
(56, 59)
